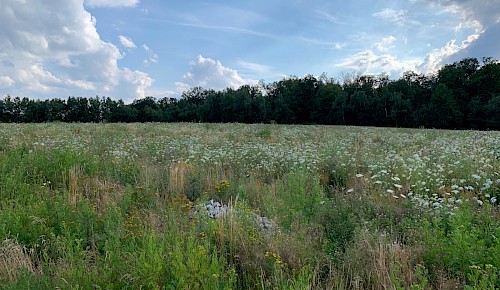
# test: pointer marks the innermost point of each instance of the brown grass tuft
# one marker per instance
(13, 259)
(74, 181)
(177, 178)
(377, 263)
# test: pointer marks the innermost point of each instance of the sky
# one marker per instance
(130, 49)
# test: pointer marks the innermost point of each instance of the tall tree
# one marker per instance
(443, 108)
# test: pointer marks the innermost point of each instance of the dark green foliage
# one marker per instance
(443, 108)
(462, 241)
(461, 95)
(339, 222)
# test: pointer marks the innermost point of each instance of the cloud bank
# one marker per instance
(111, 3)
(210, 74)
(484, 15)
(49, 52)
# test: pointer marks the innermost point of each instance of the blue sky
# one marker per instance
(129, 49)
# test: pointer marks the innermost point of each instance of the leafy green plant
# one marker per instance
(264, 133)
(487, 277)
(462, 240)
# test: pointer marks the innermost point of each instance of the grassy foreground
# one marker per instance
(86, 206)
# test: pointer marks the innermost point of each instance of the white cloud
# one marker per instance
(137, 81)
(486, 45)
(111, 3)
(259, 71)
(328, 17)
(391, 15)
(164, 93)
(486, 12)
(256, 67)
(210, 74)
(329, 44)
(6, 81)
(483, 17)
(126, 41)
(152, 57)
(57, 53)
(439, 56)
(386, 44)
(367, 62)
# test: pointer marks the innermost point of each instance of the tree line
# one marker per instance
(462, 95)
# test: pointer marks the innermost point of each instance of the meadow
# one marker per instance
(233, 206)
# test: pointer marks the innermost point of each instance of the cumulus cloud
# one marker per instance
(55, 53)
(482, 19)
(111, 3)
(486, 45)
(126, 41)
(483, 16)
(440, 56)
(211, 74)
(368, 62)
(386, 44)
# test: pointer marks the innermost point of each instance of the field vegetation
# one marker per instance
(231, 206)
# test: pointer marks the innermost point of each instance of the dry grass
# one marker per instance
(177, 176)
(100, 193)
(377, 263)
(74, 180)
(14, 259)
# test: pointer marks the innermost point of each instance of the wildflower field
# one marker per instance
(232, 206)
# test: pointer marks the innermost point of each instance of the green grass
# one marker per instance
(112, 206)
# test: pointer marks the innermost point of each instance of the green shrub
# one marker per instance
(463, 240)
(339, 223)
(264, 133)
